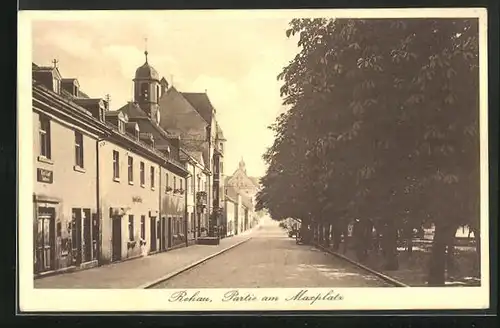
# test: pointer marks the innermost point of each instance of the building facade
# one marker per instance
(120, 193)
(192, 118)
(64, 196)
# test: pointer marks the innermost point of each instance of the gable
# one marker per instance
(241, 180)
(180, 116)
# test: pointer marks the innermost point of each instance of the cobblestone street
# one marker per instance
(273, 260)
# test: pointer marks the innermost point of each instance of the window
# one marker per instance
(166, 182)
(152, 177)
(130, 170)
(121, 126)
(131, 228)
(116, 165)
(221, 147)
(199, 184)
(57, 85)
(180, 184)
(44, 129)
(143, 227)
(143, 174)
(145, 91)
(78, 149)
(175, 182)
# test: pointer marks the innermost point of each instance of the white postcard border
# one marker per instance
(31, 299)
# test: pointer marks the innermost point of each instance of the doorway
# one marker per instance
(169, 232)
(87, 236)
(76, 236)
(45, 241)
(163, 234)
(152, 227)
(116, 235)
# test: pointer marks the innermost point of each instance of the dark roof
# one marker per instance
(201, 103)
(147, 72)
(82, 94)
(112, 113)
(133, 110)
(73, 80)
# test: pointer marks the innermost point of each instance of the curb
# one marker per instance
(189, 266)
(364, 267)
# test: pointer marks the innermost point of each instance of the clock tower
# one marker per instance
(147, 89)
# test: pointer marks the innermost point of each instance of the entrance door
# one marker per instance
(45, 250)
(163, 234)
(152, 227)
(87, 236)
(116, 235)
(169, 232)
(76, 236)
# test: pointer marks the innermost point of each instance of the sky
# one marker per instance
(236, 59)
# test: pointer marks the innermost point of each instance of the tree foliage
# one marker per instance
(383, 123)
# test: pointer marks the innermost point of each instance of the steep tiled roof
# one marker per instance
(133, 110)
(201, 103)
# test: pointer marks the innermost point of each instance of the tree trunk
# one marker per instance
(359, 233)
(477, 262)
(390, 241)
(438, 256)
(327, 234)
(451, 268)
(336, 232)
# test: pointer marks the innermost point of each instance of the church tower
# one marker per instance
(147, 88)
(242, 166)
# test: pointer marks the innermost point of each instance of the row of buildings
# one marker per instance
(112, 185)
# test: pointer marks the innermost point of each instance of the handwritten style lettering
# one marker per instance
(235, 296)
(303, 296)
(183, 296)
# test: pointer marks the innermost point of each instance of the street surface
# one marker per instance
(273, 260)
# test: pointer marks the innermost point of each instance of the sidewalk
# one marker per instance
(135, 273)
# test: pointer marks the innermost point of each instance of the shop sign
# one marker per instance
(45, 176)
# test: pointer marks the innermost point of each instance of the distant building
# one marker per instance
(242, 182)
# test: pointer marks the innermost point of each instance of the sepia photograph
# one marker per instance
(240, 160)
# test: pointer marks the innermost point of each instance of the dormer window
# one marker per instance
(56, 85)
(75, 90)
(137, 134)
(101, 114)
(121, 126)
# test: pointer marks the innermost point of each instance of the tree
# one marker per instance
(381, 113)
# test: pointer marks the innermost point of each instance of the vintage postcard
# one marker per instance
(253, 160)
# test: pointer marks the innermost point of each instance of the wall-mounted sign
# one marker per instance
(45, 176)
(136, 199)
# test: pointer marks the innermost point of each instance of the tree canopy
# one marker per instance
(383, 122)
